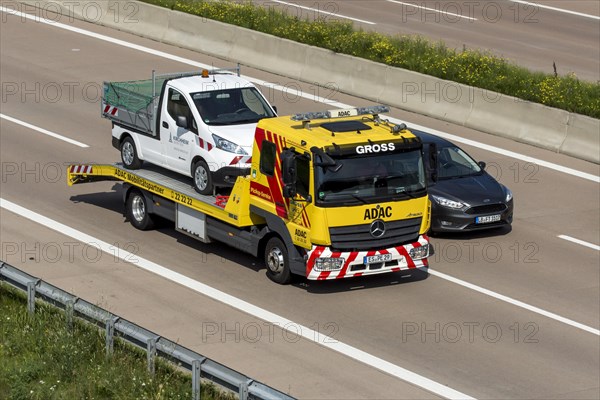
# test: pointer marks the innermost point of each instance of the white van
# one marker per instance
(199, 124)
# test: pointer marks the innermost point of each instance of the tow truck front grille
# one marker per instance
(358, 237)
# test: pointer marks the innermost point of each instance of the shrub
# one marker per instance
(470, 67)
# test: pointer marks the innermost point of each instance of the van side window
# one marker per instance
(177, 105)
(267, 158)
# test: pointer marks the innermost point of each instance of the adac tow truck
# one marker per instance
(329, 195)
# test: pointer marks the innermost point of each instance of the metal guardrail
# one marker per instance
(155, 345)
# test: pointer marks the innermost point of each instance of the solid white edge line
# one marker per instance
(515, 302)
(324, 12)
(44, 131)
(555, 9)
(430, 9)
(319, 99)
(241, 305)
(579, 241)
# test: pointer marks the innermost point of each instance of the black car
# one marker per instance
(464, 197)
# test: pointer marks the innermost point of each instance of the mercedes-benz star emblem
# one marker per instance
(377, 228)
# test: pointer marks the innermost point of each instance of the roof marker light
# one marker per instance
(340, 113)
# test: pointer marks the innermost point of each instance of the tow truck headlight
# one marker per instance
(329, 264)
(226, 145)
(444, 202)
(420, 252)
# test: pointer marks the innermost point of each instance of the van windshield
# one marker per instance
(232, 106)
(371, 179)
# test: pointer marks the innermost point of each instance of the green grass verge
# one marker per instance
(470, 67)
(41, 359)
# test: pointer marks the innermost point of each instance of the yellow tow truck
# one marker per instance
(328, 195)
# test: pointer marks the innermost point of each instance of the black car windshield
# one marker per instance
(455, 163)
(232, 106)
(371, 179)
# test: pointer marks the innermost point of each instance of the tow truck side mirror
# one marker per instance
(182, 122)
(289, 173)
(432, 156)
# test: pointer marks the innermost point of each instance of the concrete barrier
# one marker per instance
(523, 121)
(490, 112)
(583, 138)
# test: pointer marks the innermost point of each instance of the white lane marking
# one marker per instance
(515, 302)
(323, 12)
(581, 242)
(555, 9)
(244, 306)
(309, 96)
(42, 130)
(432, 9)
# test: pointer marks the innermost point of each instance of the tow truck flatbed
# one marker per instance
(169, 185)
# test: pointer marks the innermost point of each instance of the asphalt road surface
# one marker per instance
(527, 329)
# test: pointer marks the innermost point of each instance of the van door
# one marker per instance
(178, 141)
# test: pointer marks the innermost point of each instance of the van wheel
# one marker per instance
(202, 178)
(129, 154)
(277, 261)
(137, 211)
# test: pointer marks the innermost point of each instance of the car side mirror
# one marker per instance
(481, 164)
(182, 122)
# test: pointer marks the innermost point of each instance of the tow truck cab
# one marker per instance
(349, 194)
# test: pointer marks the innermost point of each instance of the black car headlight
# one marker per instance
(509, 194)
(444, 202)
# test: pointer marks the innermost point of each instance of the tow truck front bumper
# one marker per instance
(322, 263)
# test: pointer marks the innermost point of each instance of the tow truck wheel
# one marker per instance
(129, 154)
(202, 178)
(277, 261)
(137, 211)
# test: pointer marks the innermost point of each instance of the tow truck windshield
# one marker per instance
(232, 106)
(370, 179)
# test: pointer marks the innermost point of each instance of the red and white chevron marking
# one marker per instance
(81, 169)
(204, 144)
(241, 160)
(399, 253)
(111, 110)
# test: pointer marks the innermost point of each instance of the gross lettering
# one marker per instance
(375, 148)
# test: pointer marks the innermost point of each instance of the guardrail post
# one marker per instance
(69, 309)
(196, 367)
(243, 391)
(110, 336)
(31, 297)
(151, 355)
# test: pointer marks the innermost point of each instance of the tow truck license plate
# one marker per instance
(487, 219)
(377, 258)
